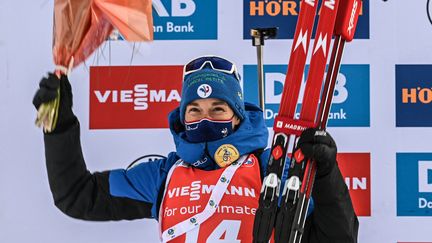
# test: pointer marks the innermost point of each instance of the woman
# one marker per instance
(208, 189)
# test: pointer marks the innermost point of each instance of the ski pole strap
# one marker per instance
(290, 126)
(211, 206)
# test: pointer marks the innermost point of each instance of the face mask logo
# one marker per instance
(226, 154)
(224, 132)
(204, 91)
(206, 130)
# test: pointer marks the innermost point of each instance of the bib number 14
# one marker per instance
(229, 229)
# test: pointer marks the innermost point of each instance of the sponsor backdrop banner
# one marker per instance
(133, 96)
(185, 19)
(414, 184)
(350, 103)
(381, 118)
(355, 167)
(413, 95)
(283, 13)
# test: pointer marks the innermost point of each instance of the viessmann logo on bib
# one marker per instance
(196, 189)
(133, 96)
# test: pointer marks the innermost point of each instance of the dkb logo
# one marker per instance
(414, 184)
(350, 106)
(184, 19)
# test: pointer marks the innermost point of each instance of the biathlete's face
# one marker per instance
(211, 108)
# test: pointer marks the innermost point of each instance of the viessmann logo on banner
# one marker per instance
(184, 19)
(284, 13)
(414, 184)
(413, 95)
(355, 168)
(350, 106)
(133, 96)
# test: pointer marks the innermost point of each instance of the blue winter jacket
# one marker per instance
(136, 192)
(144, 181)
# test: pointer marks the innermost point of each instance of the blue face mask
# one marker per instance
(206, 130)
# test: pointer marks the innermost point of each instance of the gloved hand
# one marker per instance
(48, 91)
(318, 145)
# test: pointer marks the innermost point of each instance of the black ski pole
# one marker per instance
(258, 37)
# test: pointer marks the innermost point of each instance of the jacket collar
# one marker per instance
(251, 135)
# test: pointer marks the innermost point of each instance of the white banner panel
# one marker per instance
(381, 119)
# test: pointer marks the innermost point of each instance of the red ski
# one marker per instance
(296, 192)
(268, 203)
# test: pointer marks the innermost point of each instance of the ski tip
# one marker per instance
(347, 17)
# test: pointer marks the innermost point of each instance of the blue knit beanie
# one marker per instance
(209, 83)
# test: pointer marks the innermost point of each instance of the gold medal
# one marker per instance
(226, 154)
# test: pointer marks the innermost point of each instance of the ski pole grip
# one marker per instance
(260, 34)
(347, 17)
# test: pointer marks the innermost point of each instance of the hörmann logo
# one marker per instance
(355, 168)
(184, 19)
(275, 8)
(413, 95)
(350, 107)
(414, 184)
(134, 96)
(196, 189)
(284, 13)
